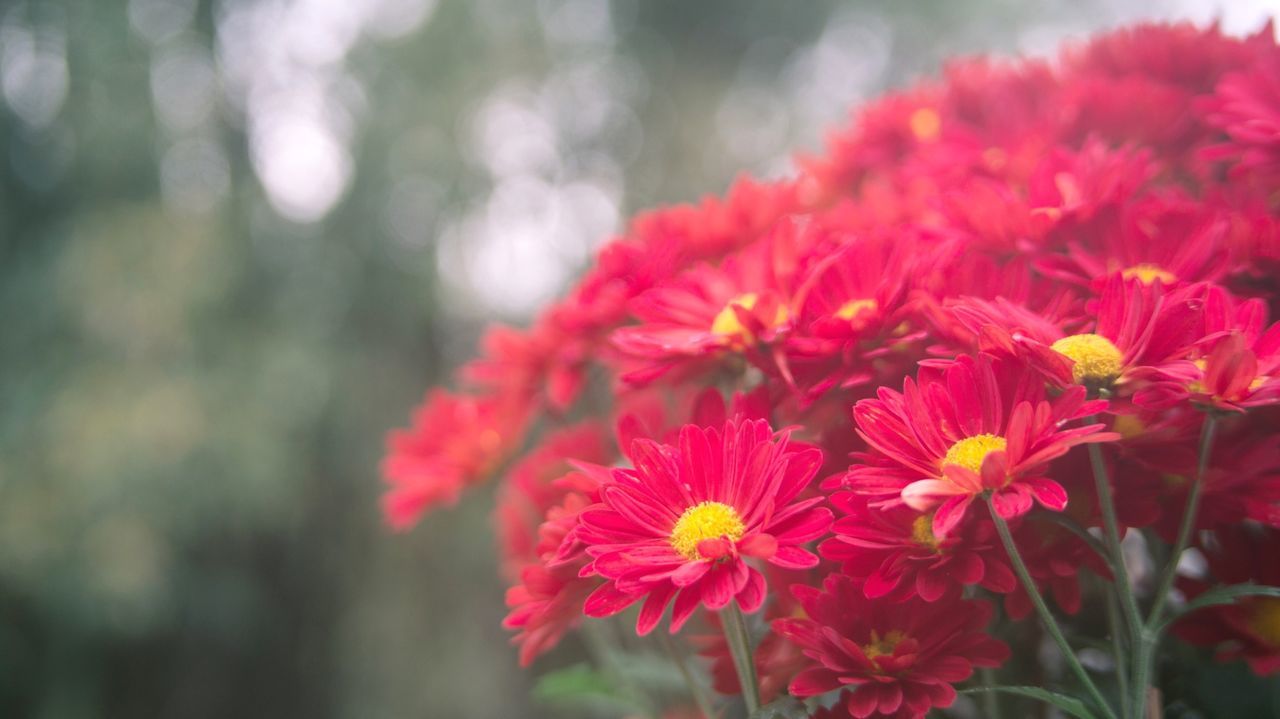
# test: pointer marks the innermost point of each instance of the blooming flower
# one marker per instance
(895, 553)
(682, 523)
(891, 659)
(945, 440)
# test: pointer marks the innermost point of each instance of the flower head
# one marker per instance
(683, 522)
(896, 659)
(963, 431)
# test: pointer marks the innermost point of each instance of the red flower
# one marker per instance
(894, 551)
(1246, 105)
(893, 659)
(455, 441)
(707, 315)
(961, 432)
(1141, 331)
(682, 523)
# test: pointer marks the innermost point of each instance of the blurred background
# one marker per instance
(240, 238)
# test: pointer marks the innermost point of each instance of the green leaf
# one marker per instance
(1072, 706)
(582, 686)
(1220, 595)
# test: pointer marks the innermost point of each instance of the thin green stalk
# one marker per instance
(1111, 535)
(990, 699)
(1144, 660)
(1188, 520)
(1118, 652)
(735, 631)
(696, 689)
(1042, 610)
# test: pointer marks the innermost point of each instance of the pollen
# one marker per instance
(1148, 273)
(882, 646)
(925, 124)
(1097, 360)
(1264, 619)
(854, 308)
(922, 532)
(703, 521)
(970, 451)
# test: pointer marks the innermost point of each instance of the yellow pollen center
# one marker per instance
(702, 521)
(1096, 359)
(970, 451)
(926, 124)
(1264, 618)
(853, 308)
(922, 532)
(882, 646)
(1148, 273)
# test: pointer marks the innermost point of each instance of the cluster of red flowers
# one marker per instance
(811, 381)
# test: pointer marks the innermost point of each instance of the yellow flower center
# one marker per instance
(922, 532)
(882, 646)
(702, 521)
(1148, 273)
(1264, 618)
(1096, 359)
(727, 324)
(926, 124)
(853, 308)
(970, 451)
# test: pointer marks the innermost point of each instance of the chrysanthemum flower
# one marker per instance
(1246, 105)
(1141, 331)
(892, 659)
(944, 441)
(683, 523)
(456, 440)
(895, 553)
(707, 315)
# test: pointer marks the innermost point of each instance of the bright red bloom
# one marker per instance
(707, 315)
(895, 553)
(683, 522)
(893, 659)
(455, 441)
(1249, 628)
(1141, 331)
(955, 434)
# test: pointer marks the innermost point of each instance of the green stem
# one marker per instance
(1188, 520)
(990, 699)
(1111, 535)
(1118, 652)
(735, 632)
(696, 689)
(1144, 661)
(1042, 609)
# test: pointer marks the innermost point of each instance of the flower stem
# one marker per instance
(735, 632)
(1111, 534)
(1119, 655)
(1144, 659)
(1042, 609)
(696, 689)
